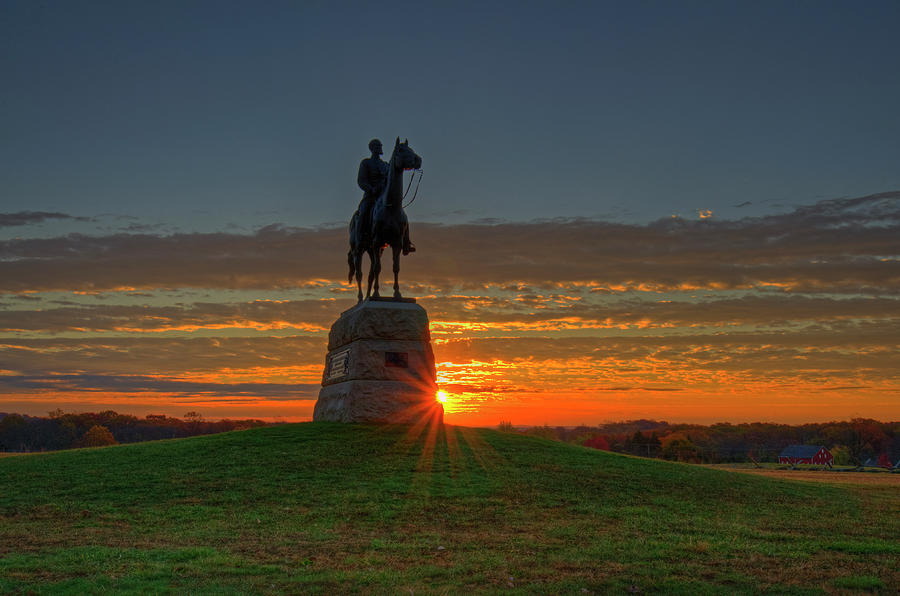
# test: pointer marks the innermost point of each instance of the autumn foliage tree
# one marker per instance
(97, 436)
(597, 442)
(842, 456)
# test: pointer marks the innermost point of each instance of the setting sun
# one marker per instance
(442, 396)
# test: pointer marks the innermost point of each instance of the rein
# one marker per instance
(416, 193)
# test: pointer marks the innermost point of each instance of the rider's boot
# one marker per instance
(408, 246)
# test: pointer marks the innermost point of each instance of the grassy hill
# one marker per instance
(331, 508)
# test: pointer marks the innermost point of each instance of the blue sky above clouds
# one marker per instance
(201, 115)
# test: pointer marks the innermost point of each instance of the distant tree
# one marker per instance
(866, 439)
(597, 442)
(679, 447)
(842, 456)
(109, 415)
(97, 436)
(505, 426)
(640, 444)
(579, 435)
(13, 430)
(59, 430)
(194, 422)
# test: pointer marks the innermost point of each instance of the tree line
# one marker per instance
(852, 442)
(59, 430)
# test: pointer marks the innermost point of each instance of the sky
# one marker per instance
(685, 211)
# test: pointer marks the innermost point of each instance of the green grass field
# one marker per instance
(330, 508)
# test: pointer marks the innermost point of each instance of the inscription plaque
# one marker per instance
(339, 364)
(396, 359)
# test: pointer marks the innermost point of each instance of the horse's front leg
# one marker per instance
(376, 270)
(396, 250)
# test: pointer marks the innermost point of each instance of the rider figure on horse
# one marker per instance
(372, 179)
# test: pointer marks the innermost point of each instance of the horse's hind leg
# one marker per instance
(350, 261)
(357, 262)
(396, 250)
(375, 269)
(371, 273)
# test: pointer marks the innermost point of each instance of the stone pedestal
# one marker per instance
(380, 366)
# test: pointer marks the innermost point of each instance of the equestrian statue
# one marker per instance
(380, 221)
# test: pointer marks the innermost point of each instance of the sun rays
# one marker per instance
(438, 449)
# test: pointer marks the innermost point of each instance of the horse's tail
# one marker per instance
(350, 261)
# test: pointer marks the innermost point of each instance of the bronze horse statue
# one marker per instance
(389, 224)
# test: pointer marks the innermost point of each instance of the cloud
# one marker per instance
(875, 343)
(136, 227)
(142, 384)
(851, 348)
(840, 245)
(847, 354)
(553, 310)
(25, 218)
(309, 315)
(272, 257)
(294, 357)
(508, 310)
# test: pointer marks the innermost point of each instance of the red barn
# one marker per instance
(806, 454)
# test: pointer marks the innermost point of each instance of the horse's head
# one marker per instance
(405, 157)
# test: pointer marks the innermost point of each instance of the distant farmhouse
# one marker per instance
(806, 454)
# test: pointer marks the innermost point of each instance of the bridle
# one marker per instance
(405, 194)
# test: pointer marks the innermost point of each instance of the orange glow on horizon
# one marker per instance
(524, 353)
(521, 405)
